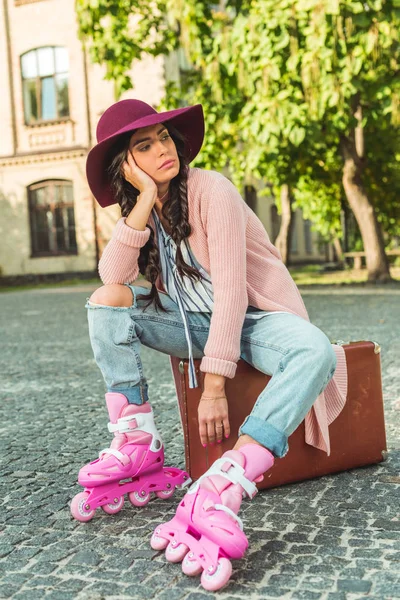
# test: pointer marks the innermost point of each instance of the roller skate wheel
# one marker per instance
(164, 494)
(175, 552)
(113, 507)
(138, 499)
(157, 542)
(213, 580)
(190, 565)
(80, 509)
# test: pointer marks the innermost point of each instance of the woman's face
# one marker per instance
(152, 147)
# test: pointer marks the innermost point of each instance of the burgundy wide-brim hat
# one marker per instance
(127, 115)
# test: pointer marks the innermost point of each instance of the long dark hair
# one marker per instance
(175, 211)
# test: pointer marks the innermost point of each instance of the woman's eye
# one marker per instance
(144, 148)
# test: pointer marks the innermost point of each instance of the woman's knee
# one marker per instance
(324, 354)
(113, 294)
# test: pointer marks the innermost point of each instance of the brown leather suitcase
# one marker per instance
(357, 435)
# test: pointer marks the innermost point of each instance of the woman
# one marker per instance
(220, 291)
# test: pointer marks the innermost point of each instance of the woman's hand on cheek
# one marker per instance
(213, 419)
(136, 176)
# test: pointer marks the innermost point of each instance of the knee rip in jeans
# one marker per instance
(94, 306)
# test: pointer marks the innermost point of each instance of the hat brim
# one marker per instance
(188, 120)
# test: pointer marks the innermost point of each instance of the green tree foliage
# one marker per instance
(303, 93)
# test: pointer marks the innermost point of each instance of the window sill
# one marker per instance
(53, 254)
(21, 2)
(39, 124)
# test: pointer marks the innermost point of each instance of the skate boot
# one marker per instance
(133, 465)
(206, 531)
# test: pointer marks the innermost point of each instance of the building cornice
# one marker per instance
(26, 158)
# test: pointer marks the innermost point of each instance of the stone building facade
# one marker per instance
(51, 100)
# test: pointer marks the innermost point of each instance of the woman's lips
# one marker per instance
(168, 164)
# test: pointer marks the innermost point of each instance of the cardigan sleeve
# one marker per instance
(119, 261)
(226, 222)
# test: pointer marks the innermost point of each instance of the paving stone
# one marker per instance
(29, 595)
(354, 585)
(271, 591)
(8, 591)
(369, 563)
(351, 573)
(318, 582)
(72, 585)
(107, 588)
(305, 595)
(43, 568)
(86, 557)
(58, 595)
(395, 556)
(16, 578)
(5, 549)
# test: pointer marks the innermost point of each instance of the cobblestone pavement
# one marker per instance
(332, 538)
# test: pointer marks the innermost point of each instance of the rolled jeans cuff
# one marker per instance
(136, 394)
(266, 435)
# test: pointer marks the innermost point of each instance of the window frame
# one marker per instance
(38, 85)
(32, 208)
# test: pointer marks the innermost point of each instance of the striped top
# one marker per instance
(231, 243)
(189, 295)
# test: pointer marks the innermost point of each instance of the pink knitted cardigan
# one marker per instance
(232, 245)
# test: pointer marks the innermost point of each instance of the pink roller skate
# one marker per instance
(206, 531)
(133, 464)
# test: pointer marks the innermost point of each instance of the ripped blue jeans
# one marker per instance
(297, 355)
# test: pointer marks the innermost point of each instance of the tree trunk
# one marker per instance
(338, 250)
(282, 242)
(364, 212)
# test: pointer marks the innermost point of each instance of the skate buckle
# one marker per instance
(187, 482)
(123, 458)
(124, 425)
(231, 470)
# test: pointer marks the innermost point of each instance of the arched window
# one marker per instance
(51, 209)
(45, 84)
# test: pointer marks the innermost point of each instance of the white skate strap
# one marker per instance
(235, 474)
(121, 457)
(231, 513)
(143, 422)
(126, 424)
(186, 483)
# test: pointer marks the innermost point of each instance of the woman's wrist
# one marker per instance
(148, 195)
(214, 383)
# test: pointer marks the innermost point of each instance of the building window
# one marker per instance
(51, 209)
(45, 84)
